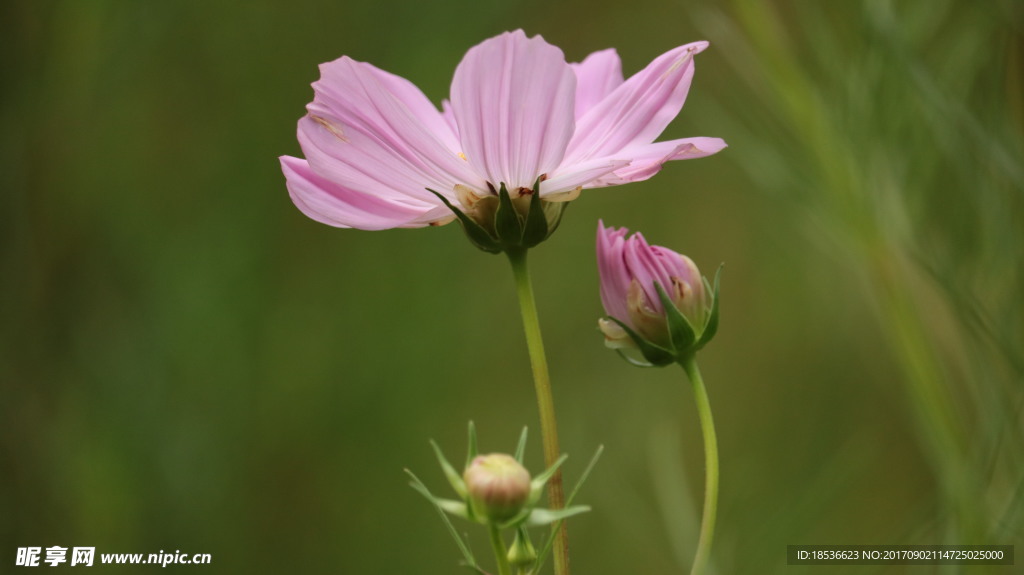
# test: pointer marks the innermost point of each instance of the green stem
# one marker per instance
(500, 551)
(545, 402)
(707, 425)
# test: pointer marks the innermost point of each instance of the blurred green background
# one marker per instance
(186, 362)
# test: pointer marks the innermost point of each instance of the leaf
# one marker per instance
(521, 447)
(539, 481)
(471, 451)
(549, 516)
(549, 544)
(463, 547)
(585, 475)
(453, 476)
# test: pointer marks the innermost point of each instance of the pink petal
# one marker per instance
(580, 175)
(449, 118)
(513, 100)
(638, 110)
(646, 160)
(338, 206)
(596, 76)
(405, 91)
(611, 266)
(642, 266)
(375, 132)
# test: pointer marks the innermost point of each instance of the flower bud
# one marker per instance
(522, 554)
(498, 486)
(632, 272)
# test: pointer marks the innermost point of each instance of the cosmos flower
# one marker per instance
(519, 116)
(678, 320)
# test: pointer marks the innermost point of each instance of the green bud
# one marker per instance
(498, 486)
(522, 555)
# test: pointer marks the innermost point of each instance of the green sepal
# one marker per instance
(508, 224)
(633, 361)
(450, 506)
(553, 212)
(550, 543)
(517, 519)
(521, 446)
(536, 229)
(467, 554)
(548, 516)
(538, 482)
(453, 476)
(653, 353)
(477, 235)
(711, 327)
(471, 450)
(680, 332)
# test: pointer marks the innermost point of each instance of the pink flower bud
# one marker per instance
(629, 270)
(498, 486)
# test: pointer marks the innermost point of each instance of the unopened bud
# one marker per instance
(653, 294)
(522, 555)
(498, 486)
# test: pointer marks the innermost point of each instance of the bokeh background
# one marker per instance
(186, 362)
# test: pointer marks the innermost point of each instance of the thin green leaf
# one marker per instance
(542, 479)
(456, 508)
(548, 516)
(549, 544)
(463, 547)
(471, 451)
(453, 476)
(585, 475)
(521, 446)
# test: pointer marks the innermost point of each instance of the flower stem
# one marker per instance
(545, 402)
(500, 551)
(707, 425)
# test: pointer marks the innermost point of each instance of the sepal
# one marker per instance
(449, 472)
(500, 222)
(548, 516)
(477, 235)
(711, 327)
(680, 332)
(652, 352)
(684, 339)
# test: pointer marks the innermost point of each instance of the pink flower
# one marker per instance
(631, 272)
(518, 113)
